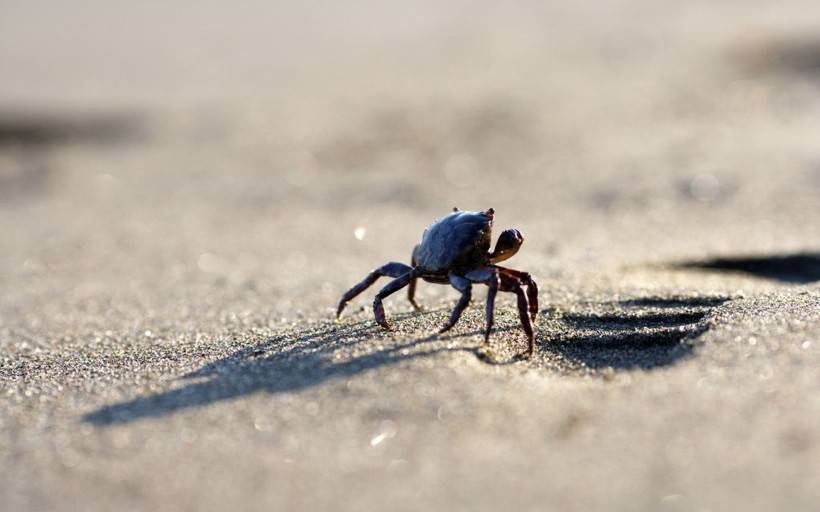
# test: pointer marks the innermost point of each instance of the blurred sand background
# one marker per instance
(186, 190)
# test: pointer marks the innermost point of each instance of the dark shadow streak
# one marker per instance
(647, 333)
(30, 135)
(797, 56)
(39, 129)
(626, 353)
(675, 302)
(791, 268)
(619, 321)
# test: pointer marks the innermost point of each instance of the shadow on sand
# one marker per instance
(640, 334)
(799, 268)
(38, 129)
(277, 365)
(30, 135)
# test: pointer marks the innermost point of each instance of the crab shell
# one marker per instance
(457, 242)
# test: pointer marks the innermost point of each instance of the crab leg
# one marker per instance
(392, 269)
(465, 287)
(532, 288)
(411, 288)
(511, 284)
(493, 288)
(391, 287)
(488, 276)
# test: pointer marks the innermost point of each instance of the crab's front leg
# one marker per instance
(532, 288)
(509, 283)
(391, 287)
(392, 269)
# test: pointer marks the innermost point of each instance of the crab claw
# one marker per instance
(507, 245)
(490, 212)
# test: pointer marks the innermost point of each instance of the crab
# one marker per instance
(455, 250)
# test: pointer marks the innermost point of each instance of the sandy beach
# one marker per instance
(186, 193)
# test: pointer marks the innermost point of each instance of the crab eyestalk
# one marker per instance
(507, 245)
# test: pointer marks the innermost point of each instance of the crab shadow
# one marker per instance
(643, 333)
(279, 364)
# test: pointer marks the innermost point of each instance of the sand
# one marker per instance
(185, 195)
